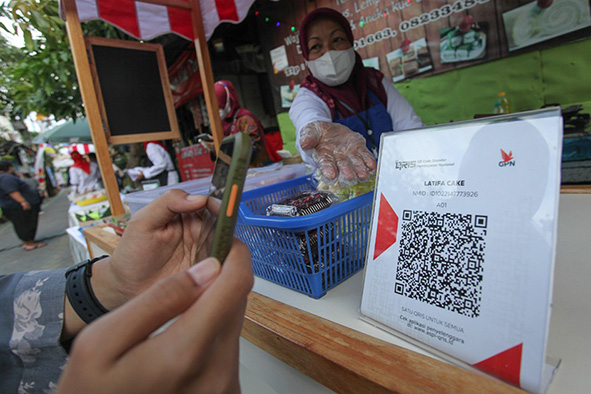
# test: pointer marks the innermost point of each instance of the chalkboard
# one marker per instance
(133, 90)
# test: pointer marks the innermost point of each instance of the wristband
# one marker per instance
(79, 291)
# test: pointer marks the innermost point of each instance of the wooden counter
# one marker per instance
(100, 240)
(575, 189)
(348, 361)
(325, 339)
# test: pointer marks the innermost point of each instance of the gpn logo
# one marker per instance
(507, 159)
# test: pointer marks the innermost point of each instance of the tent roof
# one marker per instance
(68, 132)
(145, 21)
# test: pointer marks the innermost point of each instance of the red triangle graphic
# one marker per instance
(387, 227)
(505, 365)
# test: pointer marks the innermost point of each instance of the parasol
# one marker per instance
(67, 132)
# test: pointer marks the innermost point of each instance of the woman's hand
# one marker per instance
(339, 153)
(196, 353)
(207, 145)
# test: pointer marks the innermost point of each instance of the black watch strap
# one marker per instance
(79, 291)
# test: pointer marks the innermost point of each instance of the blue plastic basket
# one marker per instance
(312, 253)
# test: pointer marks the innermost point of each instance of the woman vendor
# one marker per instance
(236, 118)
(342, 107)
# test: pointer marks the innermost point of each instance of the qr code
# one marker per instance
(441, 260)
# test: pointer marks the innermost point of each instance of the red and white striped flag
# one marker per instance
(146, 21)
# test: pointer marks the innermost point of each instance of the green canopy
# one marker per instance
(68, 132)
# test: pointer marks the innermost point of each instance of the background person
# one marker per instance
(44, 170)
(236, 119)
(95, 171)
(20, 204)
(83, 175)
(162, 167)
(153, 266)
(343, 107)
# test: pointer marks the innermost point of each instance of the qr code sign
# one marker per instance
(441, 260)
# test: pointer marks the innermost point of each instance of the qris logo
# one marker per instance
(507, 159)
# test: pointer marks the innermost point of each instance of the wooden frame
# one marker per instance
(91, 106)
(88, 92)
(173, 132)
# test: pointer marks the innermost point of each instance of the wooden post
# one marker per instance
(91, 106)
(206, 73)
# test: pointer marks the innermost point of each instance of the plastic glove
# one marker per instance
(339, 153)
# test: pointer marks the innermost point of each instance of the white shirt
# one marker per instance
(161, 161)
(307, 107)
(82, 181)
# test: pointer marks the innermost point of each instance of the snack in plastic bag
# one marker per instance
(305, 203)
(348, 192)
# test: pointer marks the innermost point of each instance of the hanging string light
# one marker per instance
(277, 24)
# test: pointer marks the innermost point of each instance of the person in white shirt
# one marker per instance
(162, 167)
(342, 107)
(83, 176)
(95, 171)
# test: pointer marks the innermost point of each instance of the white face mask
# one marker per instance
(226, 110)
(334, 67)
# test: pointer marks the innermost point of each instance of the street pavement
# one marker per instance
(52, 230)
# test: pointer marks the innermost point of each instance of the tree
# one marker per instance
(9, 56)
(44, 79)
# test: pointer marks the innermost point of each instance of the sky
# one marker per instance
(15, 40)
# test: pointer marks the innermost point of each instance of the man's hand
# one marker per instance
(160, 240)
(196, 353)
(340, 153)
(18, 197)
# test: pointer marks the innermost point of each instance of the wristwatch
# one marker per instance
(79, 291)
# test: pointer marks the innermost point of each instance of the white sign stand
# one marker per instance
(462, 245)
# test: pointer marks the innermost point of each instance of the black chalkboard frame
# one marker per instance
(135, 119)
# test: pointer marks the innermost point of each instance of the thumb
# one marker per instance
(132, 323)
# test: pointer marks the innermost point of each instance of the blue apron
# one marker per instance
(370, 123)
